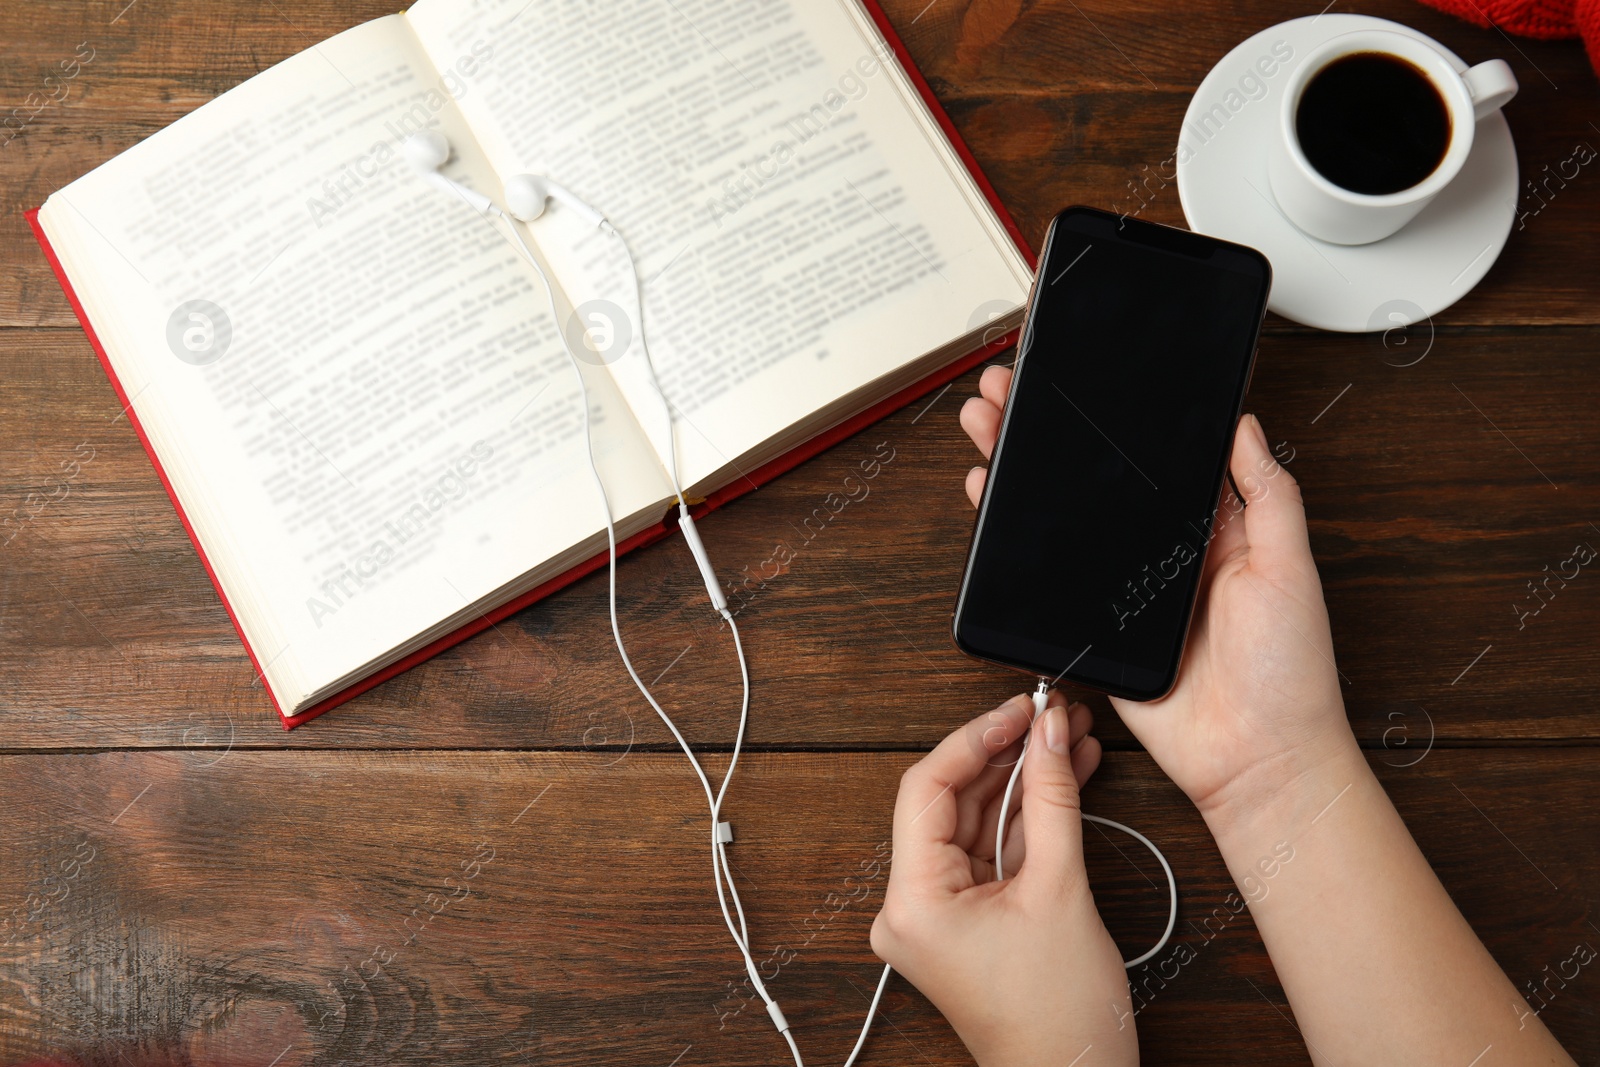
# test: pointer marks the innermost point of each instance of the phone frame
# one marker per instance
(1171, 239)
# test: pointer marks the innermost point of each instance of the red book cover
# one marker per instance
(760, 476)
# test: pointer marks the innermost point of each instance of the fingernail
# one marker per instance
(1261, 433)
(1056, 734)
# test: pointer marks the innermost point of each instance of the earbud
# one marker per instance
(527, 194)
(427, 151)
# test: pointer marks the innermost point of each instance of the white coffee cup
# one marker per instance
(1337, 215)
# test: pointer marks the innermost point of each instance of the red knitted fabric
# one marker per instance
(1545, 19)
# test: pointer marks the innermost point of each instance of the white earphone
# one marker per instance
(526, 194)
(526, 197)
(427, 152)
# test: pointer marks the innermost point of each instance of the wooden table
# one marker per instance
(497, 857)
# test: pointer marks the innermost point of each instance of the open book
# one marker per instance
(354, 387)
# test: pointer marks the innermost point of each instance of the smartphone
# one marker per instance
(1103, 489)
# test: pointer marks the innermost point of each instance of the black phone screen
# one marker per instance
(1103, 489)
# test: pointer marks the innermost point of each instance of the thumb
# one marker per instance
(1051, 811)
(1275, 520)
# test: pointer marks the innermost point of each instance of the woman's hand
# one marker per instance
(1023, 969)
(1257, 702)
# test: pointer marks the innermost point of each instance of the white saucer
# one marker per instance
(1416, 273)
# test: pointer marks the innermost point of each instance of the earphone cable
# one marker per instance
(1039, 698)
(427, 153)
(719, 872)
(655, 380)
(719, 846)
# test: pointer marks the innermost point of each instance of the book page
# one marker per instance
(801, 227)
(355, 384)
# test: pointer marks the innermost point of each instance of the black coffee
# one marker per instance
(1372, 123)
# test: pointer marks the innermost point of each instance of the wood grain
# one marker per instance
(220, 909)
(187, 884)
